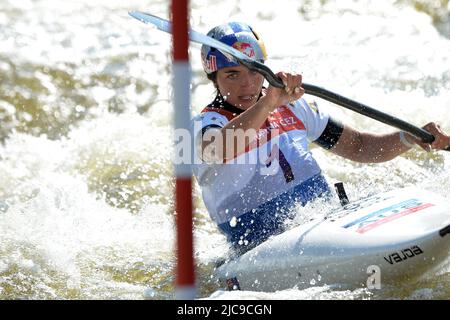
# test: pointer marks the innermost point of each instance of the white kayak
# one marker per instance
(387, 238)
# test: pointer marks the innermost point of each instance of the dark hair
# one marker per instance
(213, 77)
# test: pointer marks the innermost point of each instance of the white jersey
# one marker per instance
(256, 176)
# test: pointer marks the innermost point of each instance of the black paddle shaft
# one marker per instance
(274, 80)
(425, 136)
(363, 109)
(358, 107)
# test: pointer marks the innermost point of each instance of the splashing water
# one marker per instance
(85, 109)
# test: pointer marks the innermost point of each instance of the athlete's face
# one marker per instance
(239, 86)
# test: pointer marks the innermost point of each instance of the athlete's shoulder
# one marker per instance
(221, 108)
(212, 114)
(313, 106)
(303, 104)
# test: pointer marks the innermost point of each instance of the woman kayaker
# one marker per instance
(253, 160)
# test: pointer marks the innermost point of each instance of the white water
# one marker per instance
(85, 115)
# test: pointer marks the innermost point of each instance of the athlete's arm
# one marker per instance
(232, 139)
(371, 148)
(368, 147)
(244, 128)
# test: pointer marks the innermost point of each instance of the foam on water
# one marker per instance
(56, 225)
(85, 111)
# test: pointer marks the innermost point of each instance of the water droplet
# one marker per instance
(233, 222)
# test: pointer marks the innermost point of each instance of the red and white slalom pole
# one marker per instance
(185, 274)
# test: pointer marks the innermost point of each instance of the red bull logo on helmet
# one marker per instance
(245, 48)
(238, 35)
(210, 64)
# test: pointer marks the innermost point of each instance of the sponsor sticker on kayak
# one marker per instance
(388, 214)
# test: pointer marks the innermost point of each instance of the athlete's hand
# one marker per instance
(292, 90)
(441, 140)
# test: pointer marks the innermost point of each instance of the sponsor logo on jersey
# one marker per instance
(313, 106)
(280, 121)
